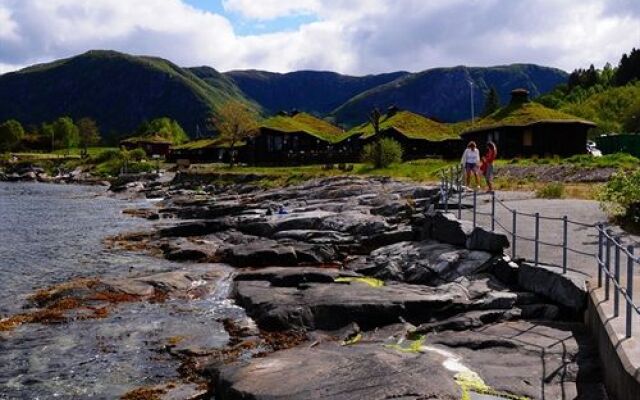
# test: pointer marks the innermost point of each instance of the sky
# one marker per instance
(354, 37)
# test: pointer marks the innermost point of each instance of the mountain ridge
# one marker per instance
(120, 91)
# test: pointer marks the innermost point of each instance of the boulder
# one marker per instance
(446, 228)
(293, 276)
(426, 262)
(267, 252)
(196, 228)
(481, 239)
(568, 290)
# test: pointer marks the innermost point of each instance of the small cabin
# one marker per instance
(208, 150)
(299, 138)
(152, 145)
(418, 135)
(524, 128)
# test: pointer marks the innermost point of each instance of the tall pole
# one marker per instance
(471, 99)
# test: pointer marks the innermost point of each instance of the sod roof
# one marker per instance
(147, 139)
(524, 114)
(411, 125)
(208, 143)
(305, 123)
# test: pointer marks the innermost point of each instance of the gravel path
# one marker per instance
(580, 238)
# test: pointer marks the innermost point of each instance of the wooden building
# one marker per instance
(300, 138)
(419, 136)
(524, 128)
(151, 145)
(208, 150)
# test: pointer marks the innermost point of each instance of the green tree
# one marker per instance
(11, 132)
(89, 133)
(163, 127)
(235, 123)
(65, 133)
(491, 102)
(374, 119)
(382, 153)
(632, 118)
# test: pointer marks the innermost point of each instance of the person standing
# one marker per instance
(487, 164)
(470, 161)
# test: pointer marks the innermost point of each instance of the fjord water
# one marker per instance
(53, 233)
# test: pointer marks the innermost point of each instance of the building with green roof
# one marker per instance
(525, 128)
(301, 138)
(211, 149)
(152, 144)
(419, 136)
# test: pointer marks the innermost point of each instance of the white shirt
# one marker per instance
(471, 156)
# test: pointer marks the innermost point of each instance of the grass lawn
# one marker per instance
(60, 153)
(420, 170)
(429, 170)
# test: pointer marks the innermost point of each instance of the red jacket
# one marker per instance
(487, 160)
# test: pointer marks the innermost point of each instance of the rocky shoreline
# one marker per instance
(356, 288)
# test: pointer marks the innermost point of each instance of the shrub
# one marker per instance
(107, 155)
(621, 196)
(137, 154)
(552, 190)
(382, 153)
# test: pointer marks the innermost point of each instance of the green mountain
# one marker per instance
(444, 93)
(316, 92)
(119, 91)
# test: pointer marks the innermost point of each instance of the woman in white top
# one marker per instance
(470, 161)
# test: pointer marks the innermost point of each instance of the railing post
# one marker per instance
(600, 228)
(537, 240)
(459, 189)
(629, 290)
(607, 263)
(475, 200)
(446, 200)
(513, 234)
(616, 291)
(565, 229)
(493, 211)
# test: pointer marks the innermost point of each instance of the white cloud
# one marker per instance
(349, 36)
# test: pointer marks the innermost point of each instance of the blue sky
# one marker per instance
(245, 26)
(354, 37)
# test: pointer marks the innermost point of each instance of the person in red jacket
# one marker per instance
(487, 164)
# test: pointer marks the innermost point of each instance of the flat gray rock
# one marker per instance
(330, 306)
(329, 371)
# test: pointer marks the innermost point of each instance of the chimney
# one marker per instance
(519, 96)
(392, 110)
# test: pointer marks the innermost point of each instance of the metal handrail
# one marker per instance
(609, 245)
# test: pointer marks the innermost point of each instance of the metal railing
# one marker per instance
(610, 256)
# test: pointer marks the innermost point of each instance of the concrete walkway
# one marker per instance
(583, 240)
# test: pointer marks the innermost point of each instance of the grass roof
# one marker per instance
(208, 143)
(147, 139)
(411, 125)
(305, 123)
(524, 114)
